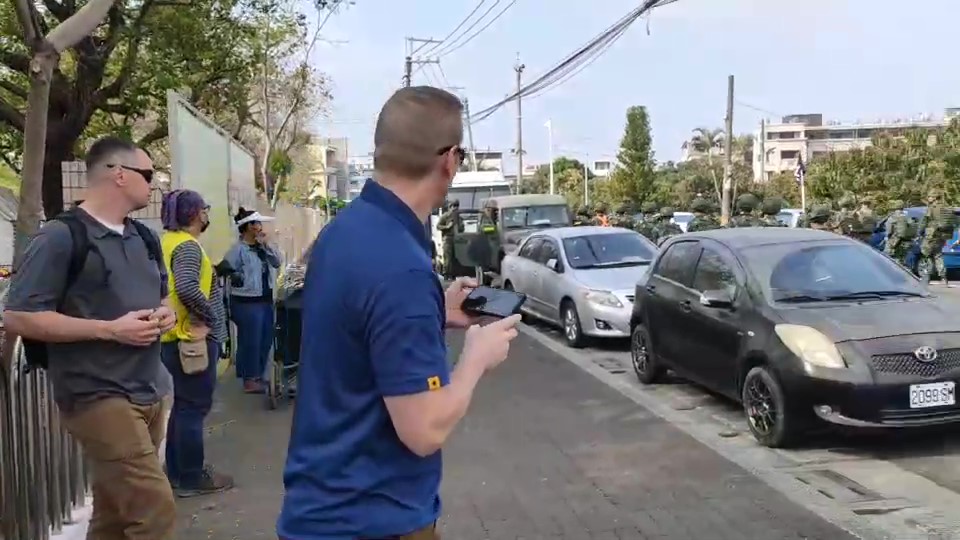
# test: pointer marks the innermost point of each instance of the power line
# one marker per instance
(480, 31)
(459, 26)
(579, 57)
(441, 50)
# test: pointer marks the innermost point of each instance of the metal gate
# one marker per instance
(42, 472)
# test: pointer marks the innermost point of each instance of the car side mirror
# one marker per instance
(554, 265)
(716, 299)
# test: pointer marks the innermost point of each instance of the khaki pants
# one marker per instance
(132, 499)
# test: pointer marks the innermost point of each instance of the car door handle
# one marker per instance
(651, 288)
(685, 305)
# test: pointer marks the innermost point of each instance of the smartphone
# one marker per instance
(491, 302)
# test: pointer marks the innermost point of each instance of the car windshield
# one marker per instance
(521, 217)
(608, 250)
(828, 270)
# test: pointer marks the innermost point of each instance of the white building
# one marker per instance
(777, 147)
(603, 167)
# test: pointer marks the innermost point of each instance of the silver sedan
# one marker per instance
(581, 278)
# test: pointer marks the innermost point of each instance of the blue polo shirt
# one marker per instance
(373, 327)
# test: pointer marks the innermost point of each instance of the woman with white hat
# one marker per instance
(251, 297)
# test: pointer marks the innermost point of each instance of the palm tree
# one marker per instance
(705, 140)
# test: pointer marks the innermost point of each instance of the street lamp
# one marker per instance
(549, 126)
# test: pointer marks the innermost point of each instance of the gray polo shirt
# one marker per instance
(119, 276)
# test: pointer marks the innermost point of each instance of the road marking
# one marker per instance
(912, 507)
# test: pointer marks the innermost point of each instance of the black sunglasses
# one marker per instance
(461, 153)
(147, 174)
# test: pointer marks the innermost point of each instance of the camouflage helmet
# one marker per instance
(820, 213)
(600, 208)
(847, 201)
(771, 206)
(700, 205)
(625, 208)
(747, 202)
(896, 204)
(649, 207)
(868, 224)
(666, 212)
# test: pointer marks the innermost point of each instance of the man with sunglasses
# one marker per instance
(100, 330)
(376, 399)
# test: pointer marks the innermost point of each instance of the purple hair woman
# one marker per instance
(196, 298)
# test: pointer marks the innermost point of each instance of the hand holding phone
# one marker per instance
(490, 302)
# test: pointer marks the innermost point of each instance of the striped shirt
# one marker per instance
(185, 265)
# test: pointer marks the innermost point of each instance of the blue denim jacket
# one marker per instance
(244, 260)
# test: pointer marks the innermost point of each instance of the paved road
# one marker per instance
(907, 476)
(547, 452)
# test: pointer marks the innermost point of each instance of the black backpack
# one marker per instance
(36, 351)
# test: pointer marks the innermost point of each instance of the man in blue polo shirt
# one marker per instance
(376, 397)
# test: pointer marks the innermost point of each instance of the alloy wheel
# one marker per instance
(570, 325)
(638, 353)
(761, 406)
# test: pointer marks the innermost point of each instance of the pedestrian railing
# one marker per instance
(42, 472)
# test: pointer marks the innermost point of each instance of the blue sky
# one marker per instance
(849, 59)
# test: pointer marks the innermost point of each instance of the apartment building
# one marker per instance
(778, 147)
(602, 168)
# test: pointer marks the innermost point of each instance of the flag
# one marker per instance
(801, 173)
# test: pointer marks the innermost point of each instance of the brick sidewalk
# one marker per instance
(546, 452)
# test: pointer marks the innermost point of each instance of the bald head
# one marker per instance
(415, 126)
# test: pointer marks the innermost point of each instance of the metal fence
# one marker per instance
(42, 472)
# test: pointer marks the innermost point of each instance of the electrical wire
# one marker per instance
(574, 62)
(459, 26)
(480, 31)
(441, 50)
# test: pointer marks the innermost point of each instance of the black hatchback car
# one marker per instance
(798, 324)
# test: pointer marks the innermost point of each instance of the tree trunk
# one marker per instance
(30, 211)
(57, 153)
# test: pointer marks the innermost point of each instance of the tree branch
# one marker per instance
(13, 89)
(58, 10)
(13, 166)
(17, 62)
(80, 25)
(11, 116)
(28, 22)
(155, 134)
(115, 88)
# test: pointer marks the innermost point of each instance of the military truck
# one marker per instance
(502, 224)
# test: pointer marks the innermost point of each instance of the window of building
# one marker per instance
(601, 165)
(789, 154)
(842, 134)
(783, 135)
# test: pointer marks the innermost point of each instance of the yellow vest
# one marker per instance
(168, 242)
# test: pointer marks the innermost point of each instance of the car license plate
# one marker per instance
(933, 395)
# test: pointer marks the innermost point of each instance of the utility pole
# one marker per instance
(466, 120)
(519, 69)
(411, 59)
(763, 150)
(586, 185)
(728, 158)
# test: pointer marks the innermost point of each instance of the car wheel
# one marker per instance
(572, 331)
(768, 415)
(645, 365)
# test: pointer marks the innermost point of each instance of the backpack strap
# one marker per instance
(78, 253)
(150, 239)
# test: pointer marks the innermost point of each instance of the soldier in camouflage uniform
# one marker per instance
(581, 216)
(936, 226)
(866, 224)
(623, 216)
(770, 209)
(665, 228)
(702, 219)
(449, 225)
(845, 220)
(647, 225)
(600, 218)
(900, 233)
(745, 205)
(819, 218)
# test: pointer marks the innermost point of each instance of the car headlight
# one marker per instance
(603, 298)
(810, 345)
